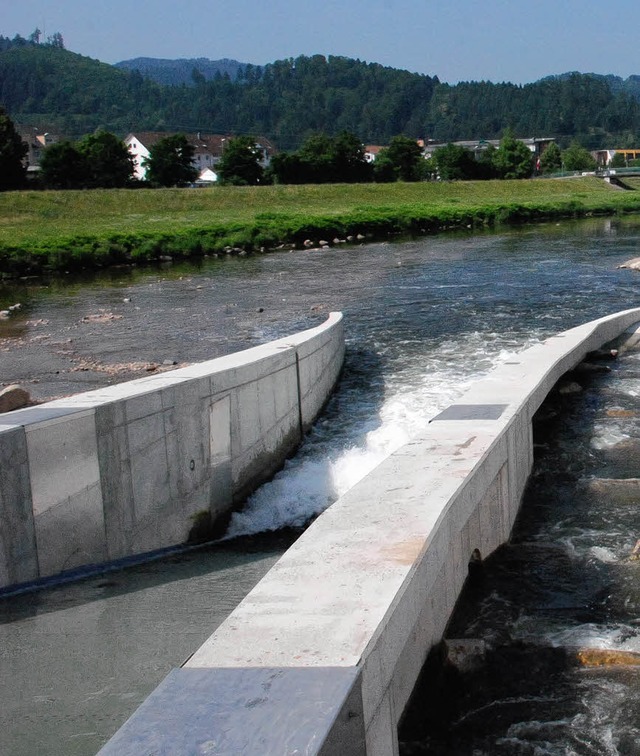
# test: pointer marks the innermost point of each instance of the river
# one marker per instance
(424, 318)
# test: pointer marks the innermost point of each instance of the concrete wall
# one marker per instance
(322, 656)
(127, 469)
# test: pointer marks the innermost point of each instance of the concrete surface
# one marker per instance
(128, 469)
(370, 586)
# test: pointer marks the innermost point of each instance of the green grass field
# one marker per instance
(59, 230)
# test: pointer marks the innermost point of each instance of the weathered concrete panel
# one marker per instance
(71, 533)
(65, 491)
(18, 555)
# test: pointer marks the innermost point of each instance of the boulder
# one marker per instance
(569, 387)
(618, 490)
(591, 367)
(607, 657)
(633, 264)
(13, 397)
(465, 654)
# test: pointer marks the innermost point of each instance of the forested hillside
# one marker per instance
(46, 86)
(182, 71)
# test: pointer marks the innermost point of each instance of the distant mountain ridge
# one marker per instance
(181, 70)
(630, 85)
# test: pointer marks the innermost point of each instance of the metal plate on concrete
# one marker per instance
(249, 711)
(471, 412)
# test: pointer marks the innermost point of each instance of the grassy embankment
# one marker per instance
(71, 230)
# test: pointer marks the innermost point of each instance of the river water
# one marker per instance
(423, 318)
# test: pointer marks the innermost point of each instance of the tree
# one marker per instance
(455, 163)
(578, 158)
(12, 153)
(551, 159)
(109, 162)
(63, 166)
(315, 158)
(323, 159)
(170, 162)
(348, 161)
(384, 170)
(513, 159)
(618, 161)
(56, 40)
(405, 155)
(241, 162)
(485, 164)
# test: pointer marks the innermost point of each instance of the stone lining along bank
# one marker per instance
(322, 656)
(133, 468)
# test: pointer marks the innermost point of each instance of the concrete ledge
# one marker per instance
(133, 468)
(371, 584)
(223, 711)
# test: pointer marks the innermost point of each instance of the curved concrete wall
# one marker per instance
(322, 656)
(128, 469)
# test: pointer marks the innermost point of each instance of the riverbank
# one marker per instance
(75, 230)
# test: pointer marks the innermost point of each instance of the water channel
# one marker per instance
(424, 318)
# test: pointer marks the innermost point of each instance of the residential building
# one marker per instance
(604, 157)
(208, 150)
(537, 145)
(36, 142)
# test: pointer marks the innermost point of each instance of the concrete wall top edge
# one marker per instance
(89, 400)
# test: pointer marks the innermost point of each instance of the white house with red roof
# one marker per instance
(208, 149)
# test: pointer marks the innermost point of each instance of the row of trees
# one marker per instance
(323, 159)
(102, 160)
(511, 160)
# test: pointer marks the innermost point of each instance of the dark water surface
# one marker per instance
(423, 319)
(551, 624)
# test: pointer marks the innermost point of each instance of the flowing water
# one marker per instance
(423, 318)
(550, 626)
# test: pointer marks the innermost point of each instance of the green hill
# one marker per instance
(45, 85)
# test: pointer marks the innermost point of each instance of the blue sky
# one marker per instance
(457, 40)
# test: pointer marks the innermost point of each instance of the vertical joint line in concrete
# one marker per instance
(300, 423)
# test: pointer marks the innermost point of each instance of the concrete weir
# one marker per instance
(132, 468)
(322, 656)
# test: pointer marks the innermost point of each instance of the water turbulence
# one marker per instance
(542, 655)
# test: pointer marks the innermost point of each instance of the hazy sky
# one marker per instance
(457, 40)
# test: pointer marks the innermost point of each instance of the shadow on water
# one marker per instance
(181, 564)
(543, 649)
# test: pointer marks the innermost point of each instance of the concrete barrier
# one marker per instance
(322, 656)
(132, 468)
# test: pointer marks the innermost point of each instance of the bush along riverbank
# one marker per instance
(44, 232)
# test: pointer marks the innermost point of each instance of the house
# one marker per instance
(207, 177)
(207, 151)
(537, 145)
(36, 142)
(371, 152)
(604, 157)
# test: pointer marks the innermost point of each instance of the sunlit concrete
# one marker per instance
(369, 588)
(129, 469)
